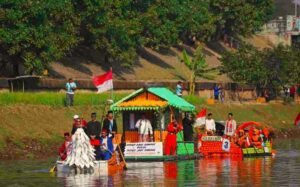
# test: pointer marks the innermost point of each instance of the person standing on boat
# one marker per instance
(93, 126)
(70, 87)
(110, 124)
(96, 144)
(230, 126)
(144, 129)
(78, 124)
(171, 139)
(106, 145)
(64, 149)
(188, 122)
(210, 125)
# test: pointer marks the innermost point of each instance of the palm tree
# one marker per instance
(198, 66)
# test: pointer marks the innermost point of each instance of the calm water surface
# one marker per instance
(283, 170)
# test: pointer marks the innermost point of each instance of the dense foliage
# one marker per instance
(240, 17)
(267, 69)
(34, 33)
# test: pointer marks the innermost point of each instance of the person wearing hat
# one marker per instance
(106, 145)
(93, 126)
(110, 124)
(75, 117)
(78, 124)
(64, 149)
(83, 122)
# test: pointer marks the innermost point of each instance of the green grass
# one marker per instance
(195, 100)
(55, 98)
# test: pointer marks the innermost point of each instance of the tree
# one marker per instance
(165, 23)
(198, 66)
(266, 69)
(236, 17)
(35, 33)
(112, 27)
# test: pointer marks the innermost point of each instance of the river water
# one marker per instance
(282, 170)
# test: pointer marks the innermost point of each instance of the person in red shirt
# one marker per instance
(83, 121)
(170, 142)
(95, 142)
(64, 148)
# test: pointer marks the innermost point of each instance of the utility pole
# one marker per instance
(296, 2)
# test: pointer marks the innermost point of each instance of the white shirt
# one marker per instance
(104, 141)
(144, 126)
(210, 124)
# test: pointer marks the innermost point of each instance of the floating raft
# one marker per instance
(102, 167)
(213, 148)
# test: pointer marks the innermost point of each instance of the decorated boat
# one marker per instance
(219, 146)
(81, 157)
(101, 167)
(158, 105)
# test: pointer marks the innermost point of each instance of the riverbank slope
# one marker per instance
(35, 129)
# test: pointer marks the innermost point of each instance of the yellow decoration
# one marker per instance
(144, 103)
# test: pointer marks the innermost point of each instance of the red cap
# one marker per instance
(66, 134)
(104, 130)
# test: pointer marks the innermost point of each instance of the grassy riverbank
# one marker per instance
(33, 124)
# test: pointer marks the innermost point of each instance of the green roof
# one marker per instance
(172, 99)
(163, 93)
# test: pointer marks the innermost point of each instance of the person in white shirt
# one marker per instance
(210, 125)
(144, 129)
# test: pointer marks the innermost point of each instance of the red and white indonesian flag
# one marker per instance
(297, 120)
(104, 82)
(201, 116)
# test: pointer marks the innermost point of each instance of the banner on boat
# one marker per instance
(144, 149)
(211, 138)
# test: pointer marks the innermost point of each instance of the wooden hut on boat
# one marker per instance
(158, 104)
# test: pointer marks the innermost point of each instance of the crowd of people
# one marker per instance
(100, 138)
(251, 137)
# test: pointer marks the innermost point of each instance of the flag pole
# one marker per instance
(112, 90)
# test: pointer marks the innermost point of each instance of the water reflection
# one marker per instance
(205, 172)
(283, 170)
